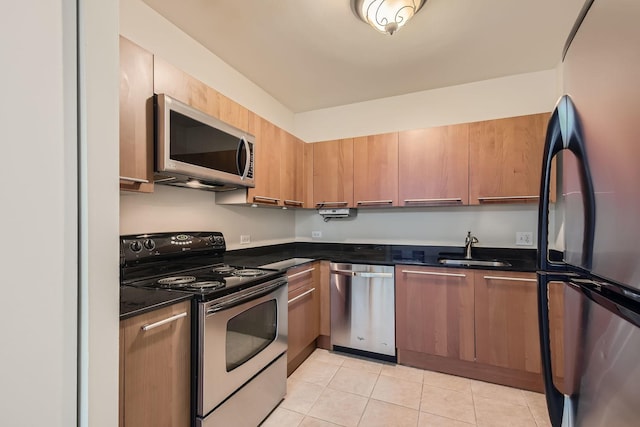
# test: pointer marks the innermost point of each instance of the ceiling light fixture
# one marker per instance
(386, 16)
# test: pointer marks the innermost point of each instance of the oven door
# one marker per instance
(239, 335)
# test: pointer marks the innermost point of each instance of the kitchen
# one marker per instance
(535, 93)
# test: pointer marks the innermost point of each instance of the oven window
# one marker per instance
(250, 332)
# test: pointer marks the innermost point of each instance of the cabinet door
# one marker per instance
(176, 83)
(266, 162)
(435, 311)
(136, 117)
(434, 166)
(505, 159)
(506, 315)
(333, 173)
(375, 170)
(304, 311)
(307, 191)
(157, 369)
(292, 171)
(233, 113)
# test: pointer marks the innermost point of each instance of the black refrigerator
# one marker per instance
(594, 134)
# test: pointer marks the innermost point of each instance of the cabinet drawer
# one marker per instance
(300, 276)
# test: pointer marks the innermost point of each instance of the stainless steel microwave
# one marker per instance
(196, 150)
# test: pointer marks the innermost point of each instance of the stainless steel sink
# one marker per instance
(474, 262)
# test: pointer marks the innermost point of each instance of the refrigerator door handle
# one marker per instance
(564, 132)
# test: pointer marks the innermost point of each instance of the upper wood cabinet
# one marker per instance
(506, 314)
(176, 83)
(505, 159)
(434, 166)
(267, 161)
(233, 113)
(435, 311)
(375, 170)
(292, 183)
(136, 117)
(333, 173)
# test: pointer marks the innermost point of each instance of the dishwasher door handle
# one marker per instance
(362, 274)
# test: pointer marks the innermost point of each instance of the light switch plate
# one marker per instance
(524, 238)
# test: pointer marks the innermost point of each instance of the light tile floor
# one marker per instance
(334, 389)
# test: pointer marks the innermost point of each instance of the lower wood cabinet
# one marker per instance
(478, 324)
(435, 311)
(155, 369)
(304, 313)
(507, 320)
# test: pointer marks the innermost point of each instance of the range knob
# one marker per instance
(135, 246)
(219, 240)
(149, 244)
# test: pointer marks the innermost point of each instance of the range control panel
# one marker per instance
(140, 247)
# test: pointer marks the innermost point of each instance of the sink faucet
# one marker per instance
(468, 244)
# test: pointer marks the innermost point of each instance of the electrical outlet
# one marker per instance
(316, 234)
(245, 238)
(524, 238)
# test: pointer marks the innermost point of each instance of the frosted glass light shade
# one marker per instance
(386, 16)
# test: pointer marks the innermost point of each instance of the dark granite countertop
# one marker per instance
(135, 301)
(519, 259)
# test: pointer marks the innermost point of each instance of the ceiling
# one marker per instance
(317, 54)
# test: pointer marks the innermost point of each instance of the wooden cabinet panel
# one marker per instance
(505, 159)
(435, 311)
(375, 170)
(434, 166)
(136, 117)
(304, 313)
(307, 189)
(333, 173)
(292, 171)
(325, 298)
(267, 161)
(233, 113)
(506, 318)
(176, 83)
(156, 372)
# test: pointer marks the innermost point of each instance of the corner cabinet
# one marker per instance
(136, 118)
(505, 159)
(155, 368)
(304, 313)
(434, 166)
(435, 312)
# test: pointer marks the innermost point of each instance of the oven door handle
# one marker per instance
(243, 296)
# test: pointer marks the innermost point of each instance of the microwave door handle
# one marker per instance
(247, 164)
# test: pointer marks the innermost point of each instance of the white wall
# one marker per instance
(494, 226)
(183, 209)
(39, 252)
(98, 194)
(489, 99)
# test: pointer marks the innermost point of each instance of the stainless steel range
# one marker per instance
(240, 326)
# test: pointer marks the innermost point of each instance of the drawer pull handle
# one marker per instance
(497, 199)
(374, 202)
(455, 200)
(134, 180)
(293, 203)
(510, 279)
(430, 273)
(163, 322)
(301, 295)
(300, 273)
(262, 199)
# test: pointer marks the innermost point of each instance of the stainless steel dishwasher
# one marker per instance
(363, 309)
